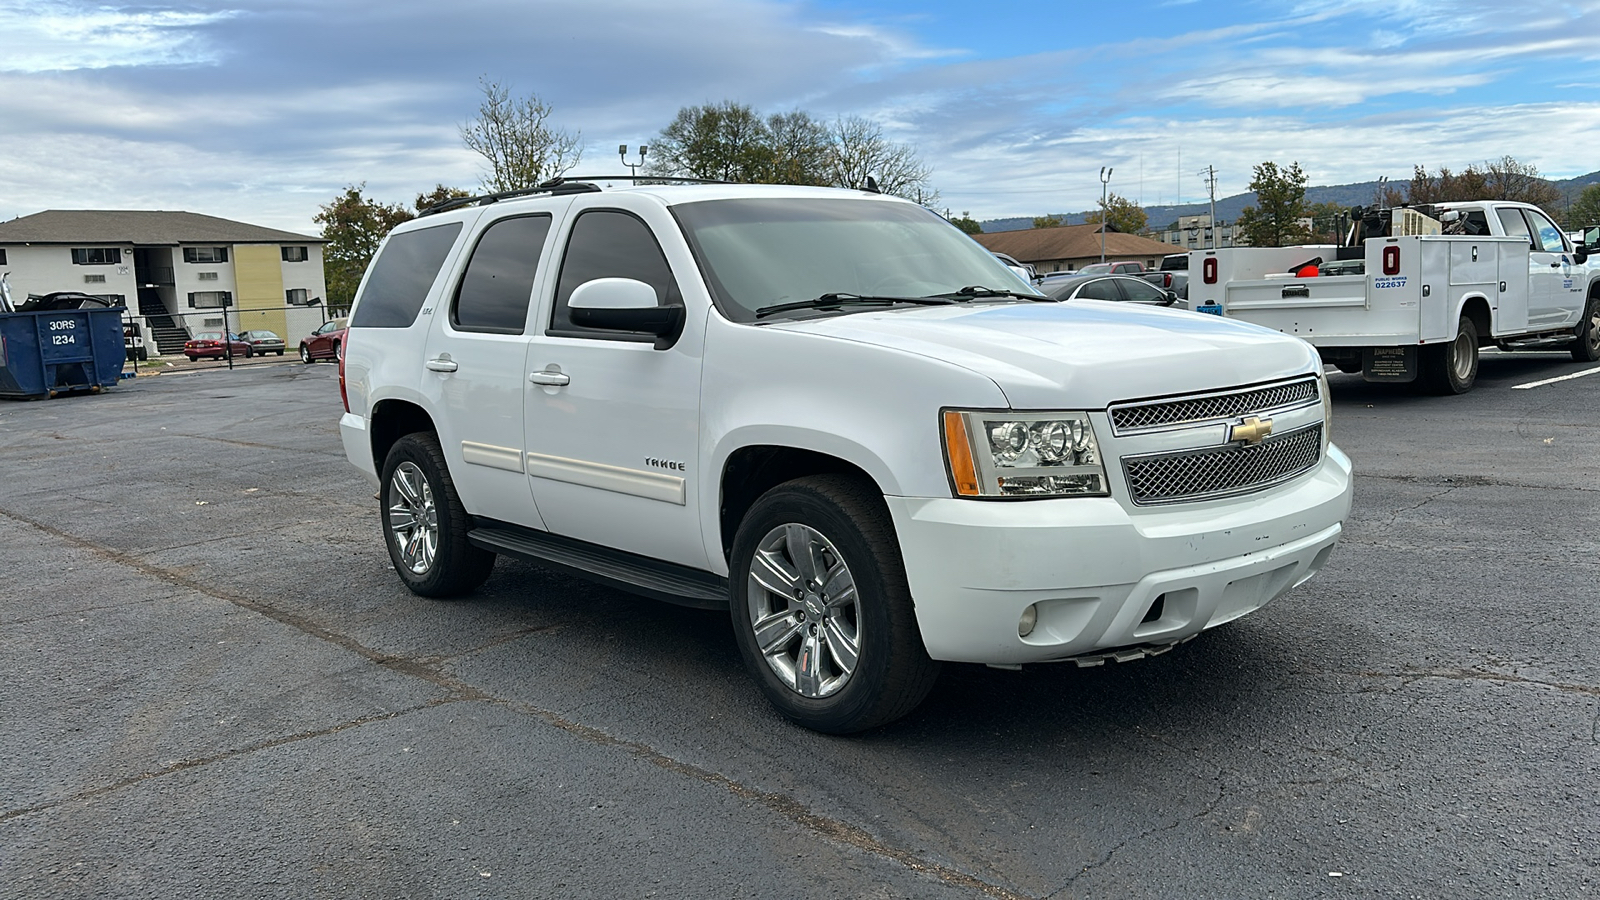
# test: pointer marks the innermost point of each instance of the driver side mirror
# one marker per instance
(1172, 297)
(625, 304)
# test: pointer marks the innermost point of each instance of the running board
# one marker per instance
(625, 571)
(1559, 339)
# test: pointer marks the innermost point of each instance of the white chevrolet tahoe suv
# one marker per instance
(836, 415)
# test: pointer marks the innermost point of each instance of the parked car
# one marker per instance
(263, 342)
(1126, 267)
(1175, 262)
(324, 343)
(1108, 287)
(212, 345)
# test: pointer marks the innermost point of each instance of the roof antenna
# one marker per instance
(872, 186)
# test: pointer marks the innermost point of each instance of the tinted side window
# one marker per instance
(1144, 292)
(610, 244)
(1511, 220)
(494, 294)
(1104, 289)
(402, 275)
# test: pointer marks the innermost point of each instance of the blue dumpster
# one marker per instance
(45, 353)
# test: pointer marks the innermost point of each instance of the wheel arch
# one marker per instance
(753, 469)
(393, 419)
(1476, 308)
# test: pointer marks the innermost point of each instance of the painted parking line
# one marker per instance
(1534, 384)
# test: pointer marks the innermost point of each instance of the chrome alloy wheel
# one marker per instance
(413, 518)
(804, 610)
(1461, 355)
(1593, 337)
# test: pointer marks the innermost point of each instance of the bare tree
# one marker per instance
(800, 147)
(514, 137)
(860, 150)
(726, 141)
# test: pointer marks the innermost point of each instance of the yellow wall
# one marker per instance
(258, 288)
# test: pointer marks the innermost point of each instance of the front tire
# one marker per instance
(425, 524)
(1453, 368)
(1587, 346)
(305, 354)
(821, 608)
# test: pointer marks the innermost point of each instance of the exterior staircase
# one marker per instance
(169, 336)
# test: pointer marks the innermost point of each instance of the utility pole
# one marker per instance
(1105, 182)
(1211, 185)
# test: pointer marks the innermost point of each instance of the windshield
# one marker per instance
(759, 253)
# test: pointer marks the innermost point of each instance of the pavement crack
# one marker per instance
(459, 690)
(1456, 481)
(185, 764)
(1409, 676)
(780, 804)
(253, 445)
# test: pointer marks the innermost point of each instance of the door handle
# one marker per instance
(441, 363)
(549, 377)
(1555, 265)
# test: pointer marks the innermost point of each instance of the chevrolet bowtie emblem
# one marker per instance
(1250, 431)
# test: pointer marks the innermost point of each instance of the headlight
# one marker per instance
(1327, 408)
(1003, 454)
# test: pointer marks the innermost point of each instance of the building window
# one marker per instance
(2, 256)
(96, 256)
(294, 254)
(205, 254)
(94, 279)
(212, 323)
(295, 296)
(209, 299)
(207, 276)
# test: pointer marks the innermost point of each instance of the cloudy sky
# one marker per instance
(261, 110)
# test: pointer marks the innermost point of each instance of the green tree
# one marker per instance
(726, 141)
(1328, 222)
(966, 223)
(1124, 215)
(1275, 220)
(517, 141)
(1050, 221)
(353, 226)
(439, 195)
(1585, 211)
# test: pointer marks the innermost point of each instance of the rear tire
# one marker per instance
(845, 655)
(1587, 346)
(1453, 368)
(424, 523)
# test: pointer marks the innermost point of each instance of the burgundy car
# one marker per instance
(210, 344)
(324, 342)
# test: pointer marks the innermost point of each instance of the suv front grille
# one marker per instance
(1220, 472)
(1171, 411)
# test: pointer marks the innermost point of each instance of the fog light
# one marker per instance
(1030, 617)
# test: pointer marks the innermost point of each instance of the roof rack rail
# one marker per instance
(578, 185)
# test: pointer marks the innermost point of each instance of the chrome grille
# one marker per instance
(1219, 472)
(1212, 407)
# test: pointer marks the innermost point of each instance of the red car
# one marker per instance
(210, 344)
(324, 342)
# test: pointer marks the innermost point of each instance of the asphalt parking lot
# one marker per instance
(216, 687)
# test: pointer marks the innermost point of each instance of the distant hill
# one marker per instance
(1228, 208)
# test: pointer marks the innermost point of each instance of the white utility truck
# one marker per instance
(1417, 291)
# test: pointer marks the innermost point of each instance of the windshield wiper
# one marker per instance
(977, 290)
(841, 298)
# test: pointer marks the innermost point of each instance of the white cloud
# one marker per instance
(60, 35)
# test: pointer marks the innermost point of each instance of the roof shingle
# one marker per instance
(138, 226)
(1071, 242)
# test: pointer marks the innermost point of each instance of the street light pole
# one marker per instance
(1105, 182)
(622, 151)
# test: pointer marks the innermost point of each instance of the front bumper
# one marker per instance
(1097, 571)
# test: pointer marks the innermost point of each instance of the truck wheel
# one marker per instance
(1587, 347)
(821, 608)
(1452, 368)
(425, 524)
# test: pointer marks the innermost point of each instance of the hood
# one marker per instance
(1081, 355)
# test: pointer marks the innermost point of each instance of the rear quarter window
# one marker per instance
(402, 275)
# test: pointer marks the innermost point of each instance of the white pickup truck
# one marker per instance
(835, 415)
(1402, 303)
